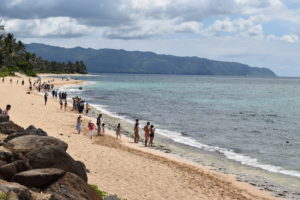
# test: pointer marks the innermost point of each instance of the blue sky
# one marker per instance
(263, 33)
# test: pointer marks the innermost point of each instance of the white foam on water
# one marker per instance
(230, 154)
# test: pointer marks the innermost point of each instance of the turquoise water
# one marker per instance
(247, 120)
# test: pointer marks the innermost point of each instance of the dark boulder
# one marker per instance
(9, 170)
(4, 118)
(53, 157)
(6, 156)
(38, 178)
(35, 131)
(31, 130)
(9, 127)
(71, 187)
(25, 144)
(2, 163)
(112, 197)
(14, 191)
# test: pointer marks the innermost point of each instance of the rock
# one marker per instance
(71, 187)
(112, 197)
(25, 144)
(9, 170)
(4, 118)
(31, 130)
(34, 131)
(14, 191)
(9, 127)
(38, 177)
(6, 156)
(2, 163)
(53, 157)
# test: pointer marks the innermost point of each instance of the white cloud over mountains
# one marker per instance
(131, 19)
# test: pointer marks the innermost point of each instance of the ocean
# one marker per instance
(249, 127)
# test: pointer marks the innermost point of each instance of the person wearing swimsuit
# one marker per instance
(152, 131)
(136, 131)
(147, 132)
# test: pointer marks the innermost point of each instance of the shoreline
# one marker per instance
(226, 183)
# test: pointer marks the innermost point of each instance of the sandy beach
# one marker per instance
(121, 167)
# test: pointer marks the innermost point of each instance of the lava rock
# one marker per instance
(4, 118)
(38, 178)
(15, 191)
(25, 144)
(9, 170)
(9, 127)
(54, 157)
(6, 156)
(34, 131)
(112, 197)
(71, 187)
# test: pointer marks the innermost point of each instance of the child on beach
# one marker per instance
(7, 109)
(102, 130)
(79, 124)
(118, 131)
(147, 132)
(92, 127)
(152, 131)
(99, 121)
(136, 131)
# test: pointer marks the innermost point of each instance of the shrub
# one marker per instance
(99, 192)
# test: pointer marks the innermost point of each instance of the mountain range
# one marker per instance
(121, 61)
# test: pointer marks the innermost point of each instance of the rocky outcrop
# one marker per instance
(71, 187)
(54, 157)
(25, 144)
(39, 178)
(34, 166)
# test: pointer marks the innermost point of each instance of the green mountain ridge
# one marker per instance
(121, 61)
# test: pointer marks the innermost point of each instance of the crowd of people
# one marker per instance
(79, 105)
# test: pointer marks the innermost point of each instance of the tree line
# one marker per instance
(15, 58)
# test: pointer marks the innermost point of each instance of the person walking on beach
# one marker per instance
(6, 110)
(46, 97)
(136, 131)
(10, 80)
(86, 108)
(147, 132)
(22, 82)
(79, 124)
(118, 131)
(3, 79)
(99, 120)
(102, 129)
(91, 127)
(152, 131)
(61, 103)
(66, 103)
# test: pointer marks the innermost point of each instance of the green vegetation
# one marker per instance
(99, 192)
(15, 58)
(3, 196)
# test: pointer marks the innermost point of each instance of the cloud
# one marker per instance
(129, 19)
(50, 27)
(290, 38)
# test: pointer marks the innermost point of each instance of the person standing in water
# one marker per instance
(136, 131)
(79, 124)
(46, 98)
(147, 132)
(99, 122)
(152, 131)
(118, 131)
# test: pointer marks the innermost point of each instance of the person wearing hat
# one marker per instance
(79, 124)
